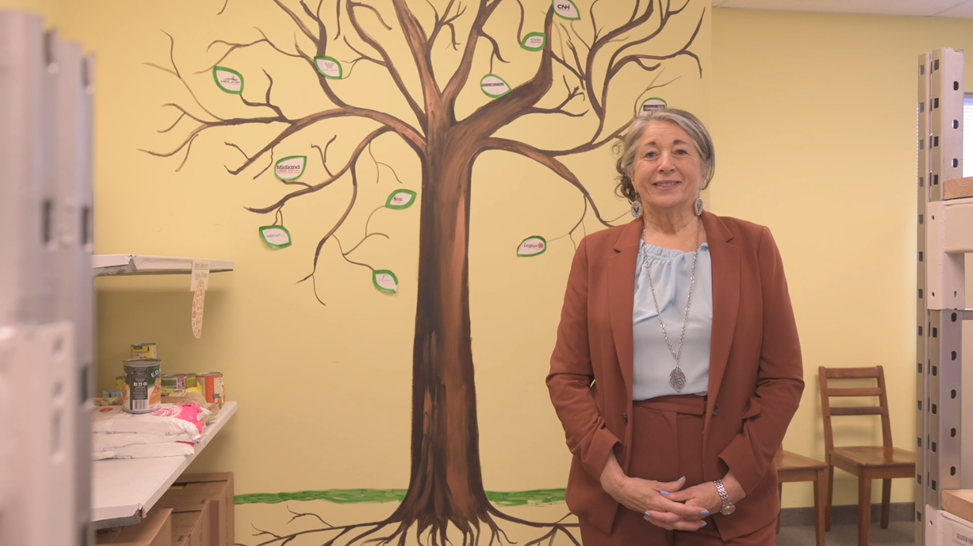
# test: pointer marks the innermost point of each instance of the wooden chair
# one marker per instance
(867, 463)
(792, 467)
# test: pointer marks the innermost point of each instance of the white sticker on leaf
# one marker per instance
(654, 103)
(566, 9)
(532, 246)
(275, 237)
(290, 168)
(401, 199)
(385, 281)
(494, 86)
(329, 66)
(535, 41)
(228, 80)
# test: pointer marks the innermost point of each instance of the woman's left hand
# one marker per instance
(704, 496)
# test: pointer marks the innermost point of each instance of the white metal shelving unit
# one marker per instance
(944, 237)
(108, 265)
(124, 490)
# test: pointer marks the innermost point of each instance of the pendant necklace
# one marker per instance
(677, 379)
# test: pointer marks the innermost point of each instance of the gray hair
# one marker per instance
(628, 146)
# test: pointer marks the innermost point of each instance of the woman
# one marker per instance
(677, 366)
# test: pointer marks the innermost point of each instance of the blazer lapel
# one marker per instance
(726, 303)
(621, 298)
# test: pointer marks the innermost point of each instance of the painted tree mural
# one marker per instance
(584, 51)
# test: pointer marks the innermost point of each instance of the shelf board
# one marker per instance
(958, 189)
(107, 265)
(124, 490)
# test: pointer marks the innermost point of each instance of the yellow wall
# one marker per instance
(815, 121)
(324, 391)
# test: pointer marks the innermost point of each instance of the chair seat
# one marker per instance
(874, 456)
(787, 462)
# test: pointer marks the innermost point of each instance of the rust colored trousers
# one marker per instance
(667, 443)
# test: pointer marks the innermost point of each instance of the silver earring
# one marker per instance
(636, 208)
(699, 207)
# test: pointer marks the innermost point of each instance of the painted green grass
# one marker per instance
(537, 497)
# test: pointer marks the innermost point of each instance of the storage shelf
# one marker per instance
(107, 265)
(124, 490)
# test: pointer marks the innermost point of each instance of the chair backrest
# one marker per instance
(882, 409)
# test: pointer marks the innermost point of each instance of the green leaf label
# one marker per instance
(228, 80)
(535, 41)
(290, 168)
(276, 237)
(532, 246)
(329, 66)
(494, 86)
(566, 10)
(401, 199)
(653, 103)
(385, 281)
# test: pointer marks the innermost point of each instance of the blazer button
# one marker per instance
(625, 418)
(716, 411)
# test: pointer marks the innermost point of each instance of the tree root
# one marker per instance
(434, 529)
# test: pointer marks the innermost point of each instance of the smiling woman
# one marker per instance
(673, 436)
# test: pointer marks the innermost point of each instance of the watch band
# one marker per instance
(728, 507)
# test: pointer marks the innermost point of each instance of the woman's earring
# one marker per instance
(636, 208)
(699, 207)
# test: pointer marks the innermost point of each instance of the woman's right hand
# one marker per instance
(649, 497)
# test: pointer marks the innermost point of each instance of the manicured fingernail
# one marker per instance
(705, 513)
(703, 525)
(666, 493)
(647, 516)
(681, 479)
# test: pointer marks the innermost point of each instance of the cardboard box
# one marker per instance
(959, 502)
(191, 492)
(216, 487)
(154, 530)
(194, 528)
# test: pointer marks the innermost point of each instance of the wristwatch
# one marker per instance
(728, 507)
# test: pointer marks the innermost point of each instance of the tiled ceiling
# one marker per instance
(961, 9)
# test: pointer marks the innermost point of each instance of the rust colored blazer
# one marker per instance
(755, 376)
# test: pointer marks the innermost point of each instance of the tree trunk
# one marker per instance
(446, 484)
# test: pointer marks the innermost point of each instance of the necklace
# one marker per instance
(677, 379)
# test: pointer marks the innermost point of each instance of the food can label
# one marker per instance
(143, 387)
(144, 350)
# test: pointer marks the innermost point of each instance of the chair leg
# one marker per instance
(864, 508)
(780, 496)
(819, 503)
(886, 502)
(830, 496)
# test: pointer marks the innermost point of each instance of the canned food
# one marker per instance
(212, 385)
(145, 350)
(142, 392)
(173, 382)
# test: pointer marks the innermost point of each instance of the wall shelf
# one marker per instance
(108, 265)
(124, 490)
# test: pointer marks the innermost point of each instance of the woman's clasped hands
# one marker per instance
(664, 504)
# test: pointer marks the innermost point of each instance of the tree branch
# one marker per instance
(393, 72)
(551, 163)
(462, 74)
(559, 109)
(235, 46)
(328, 181)
(297, 21)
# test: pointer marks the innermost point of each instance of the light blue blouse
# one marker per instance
(670, 270)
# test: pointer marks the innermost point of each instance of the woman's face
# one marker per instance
(668, 170)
